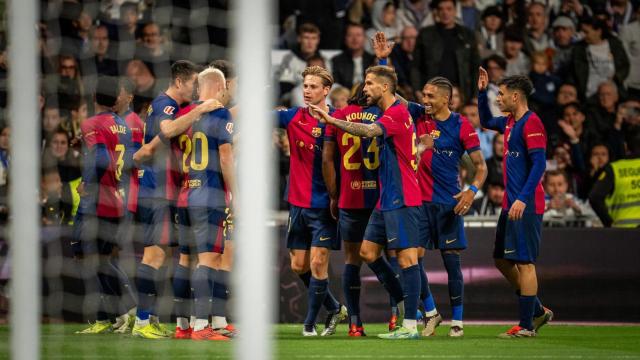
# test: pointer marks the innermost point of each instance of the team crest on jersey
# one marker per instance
(149, 110)
(229, 128)
(316, 132)
(356, 185)
(169, 110)
(435, 134)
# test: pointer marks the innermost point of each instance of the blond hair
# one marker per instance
(211, 74)
(322, 73)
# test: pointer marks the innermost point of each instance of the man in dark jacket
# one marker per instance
(348, 67)
(446, 49)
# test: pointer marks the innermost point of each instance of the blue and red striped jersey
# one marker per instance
(306, 135)
(159, 176)
(359, 159)
(521, 139)
(397, 176)
(438, 169)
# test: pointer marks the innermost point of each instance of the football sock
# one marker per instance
(351, 288)
(526, 306)
(127, 296)
(456, 284)
(109, 291)
(411, 286)
(330, 302)
(220, 293)
(161, 282)
(317, 293)
(145, 283)
(393, 262)
(201, 282)
(219, 322)
(539, 309)
(425, 292)
(389, 279)
(182, 296)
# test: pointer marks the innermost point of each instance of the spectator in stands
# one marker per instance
(402, 58)
(385, 20)
(566, 94)
(572, 9)
(51, 120)
(416, 13)
(494, 163)
(124, 36)
(614, 194)
(78, 113)
(517, 61)
(630, 37)
(496, 66)
(598, 58)
(289, 73)
(59, 154)
(151, 51)
(621, 12)
(470, 14)
(559, 202)
(545, 85)
(491, 203)
(628, 120)
(537, 38)
(54, 211)
(563, 30)
(146, 87)
(575, 129)
(598, 159)
(104, 63)
(470, 111)
(348, 67)
(5, 159)
(490, 37)
(604, 111)
(446, 49)
(339, 97)
(68, 81)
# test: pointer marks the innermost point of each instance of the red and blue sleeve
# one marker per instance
(469, 136)
(284, 117)
(487, 119)
(536, 142)
(391, 123)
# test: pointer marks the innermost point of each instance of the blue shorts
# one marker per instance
(519, 240)
(352, 223)
(94, 234)
(159, 219)
(441, 228)
(311, 227)
(202, 229)
(394, 229)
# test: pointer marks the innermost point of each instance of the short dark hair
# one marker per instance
(358, 97)
(442, 83)
(551, 173)
(513, 33)
(573, 104)
(385, 72)
(183, 69)
(434, 4)
(519, 83)
(107, 91)
(597, 24)
(501, 61)
(128, 5)
(308, 28)
(227, 68)
(126, 84)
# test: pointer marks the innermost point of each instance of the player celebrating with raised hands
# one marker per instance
(311, 232)
(394, 222)
(520, 223)
(443, 204)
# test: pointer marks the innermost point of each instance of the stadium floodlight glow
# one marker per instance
(24, 317)
(253, 275)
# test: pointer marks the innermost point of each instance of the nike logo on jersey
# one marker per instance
(449, 241)
(391, 240)
(323, 238)
(509, 251)
(456, 297)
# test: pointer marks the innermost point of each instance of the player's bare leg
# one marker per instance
(510, 272)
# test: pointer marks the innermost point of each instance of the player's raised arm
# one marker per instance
(358, 129)
(170, 129)
(381, 47)
(486, 117)
(465, 198)
(145, 153)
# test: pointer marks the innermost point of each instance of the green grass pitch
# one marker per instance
(554, 342)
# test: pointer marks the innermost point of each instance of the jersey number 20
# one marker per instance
(189, 146)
